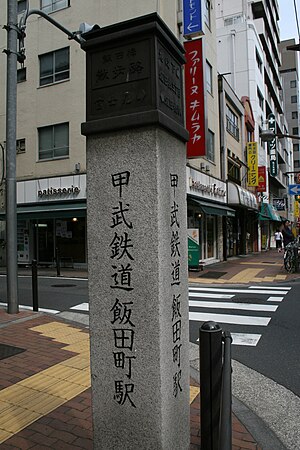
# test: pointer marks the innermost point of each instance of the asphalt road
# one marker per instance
(275, 349)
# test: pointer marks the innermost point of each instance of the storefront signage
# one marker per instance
(52, 189)
(58, 191)
(240, 196)
(272, 148)
(192, 18)
(194, 99)
(252, 160)
(279, 204)
(206, 187)
(262, 179)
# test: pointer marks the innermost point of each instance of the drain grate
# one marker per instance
(63, 285)
(7, 350)
(212, 274)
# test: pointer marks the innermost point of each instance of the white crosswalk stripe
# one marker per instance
(261, 299)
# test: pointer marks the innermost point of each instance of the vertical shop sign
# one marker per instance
(272, 148)
(194, 95)
(252, 160)
(192, 18)
(262, 182)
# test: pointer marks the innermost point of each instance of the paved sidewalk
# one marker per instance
(263, 267)
(45, 399)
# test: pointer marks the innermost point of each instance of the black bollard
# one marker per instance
(57, 262)
(35, 300)
(210, 335)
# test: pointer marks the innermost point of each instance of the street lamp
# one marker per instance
(269, 135)
(14, 54)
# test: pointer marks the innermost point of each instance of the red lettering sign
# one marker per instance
(194, 96)
(262, 183)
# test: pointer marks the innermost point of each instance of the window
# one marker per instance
(21, 74)
(258, 61)
(207, 12)
(49, 6)
(296, 164)
(294, 99)
(54, 66)
(54, 141)
(296, 147)
(210, 154)
(22, 4)
(234, 171)
(232, 123)
(20, 146)
(294, 114)
(260, 99)
(295, 131)
(209, 78)
(293, 83)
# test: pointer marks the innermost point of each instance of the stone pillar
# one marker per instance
(137, 237)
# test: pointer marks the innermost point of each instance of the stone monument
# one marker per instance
(137, 237)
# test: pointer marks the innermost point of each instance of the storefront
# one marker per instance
(207, 209)
(51, 221)
(270, 220)
(242, 230)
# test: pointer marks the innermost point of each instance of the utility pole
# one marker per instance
(11, 135)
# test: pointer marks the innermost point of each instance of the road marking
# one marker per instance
(248, 339)
(271, 287)
(81, 307)
(239, 291)
(30, 308)
(233, 305)
(227, 318)
(275, 299)
(207, 295)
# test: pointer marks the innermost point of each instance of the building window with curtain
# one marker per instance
(54, 66)
(54, 141)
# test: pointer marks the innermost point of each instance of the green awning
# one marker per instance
(213, 209)
(268, 212)
(50, 211)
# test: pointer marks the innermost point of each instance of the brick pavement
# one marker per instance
(45, 398)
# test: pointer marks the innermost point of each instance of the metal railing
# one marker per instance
(215, 387)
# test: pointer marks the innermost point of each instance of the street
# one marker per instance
(264, 320)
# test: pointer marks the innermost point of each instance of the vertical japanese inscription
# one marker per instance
(122, 284)
(175, 266)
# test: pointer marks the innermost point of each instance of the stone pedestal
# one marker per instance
(137, 243)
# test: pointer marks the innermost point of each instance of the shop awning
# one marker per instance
(214, 209)
(268, 212)
(50, 211)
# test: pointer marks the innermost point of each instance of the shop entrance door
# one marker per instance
(209, 232)
(45, 246)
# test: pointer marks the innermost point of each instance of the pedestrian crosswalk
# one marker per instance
(241, 310)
